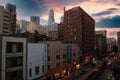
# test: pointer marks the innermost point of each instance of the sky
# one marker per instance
(105, 12)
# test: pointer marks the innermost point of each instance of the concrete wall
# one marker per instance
(37, 57)
(0, 55)
(1, 18)
(6, 39)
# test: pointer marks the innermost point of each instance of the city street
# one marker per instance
(99, 72)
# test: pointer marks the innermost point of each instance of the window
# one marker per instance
(73, 54)
(64, 55)
(57, 64)
(64, 62)
(57, 57)
(30, 72)
(43, 68)
(36, 70)
(48, 58)
(13, 47)
(48, 67)
(74, 38)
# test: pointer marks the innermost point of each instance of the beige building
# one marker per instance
(58, 58)
(34, 26)
(8, 19)
(53, 35)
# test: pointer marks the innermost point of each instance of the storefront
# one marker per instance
(59, 72)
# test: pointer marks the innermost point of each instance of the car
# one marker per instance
(108, 64)
(96, 69)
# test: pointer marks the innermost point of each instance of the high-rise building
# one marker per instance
(22, 24)
(79, 27)
(8, 19)
(52, 25)
(12, 58)
(35, 19)
(111, 42)
(118, 38)
(51, 19)
(101, 32)
(100, 45)
(61, 19)
(118, 41)
(100, 42)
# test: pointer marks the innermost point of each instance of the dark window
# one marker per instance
(12, 47)
(64, 62)
(30, 72)
(57, 57)
(64, 55)
(36, 70)
(57, 64)
(48, 58)
(48, 67)
(20, 47)
(43, 68)
(73, 54)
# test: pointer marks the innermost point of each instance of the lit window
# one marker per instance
(74, 38)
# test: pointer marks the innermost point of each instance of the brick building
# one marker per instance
(79, 28)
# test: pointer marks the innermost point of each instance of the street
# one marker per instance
(102, 71)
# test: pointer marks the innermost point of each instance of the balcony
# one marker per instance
(14, 69)
(14, 54)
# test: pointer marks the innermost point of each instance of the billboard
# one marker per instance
(69, 53)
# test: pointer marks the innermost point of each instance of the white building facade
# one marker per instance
(36, 61)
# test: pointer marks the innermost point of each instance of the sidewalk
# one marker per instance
(77, 75)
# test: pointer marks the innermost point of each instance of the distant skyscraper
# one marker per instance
(101, 32)
(35, 19)
(22, 25)
(8, 19)
(51, 17)
(61, 19)
(52, 25)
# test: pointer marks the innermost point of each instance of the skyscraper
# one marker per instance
(8, 19)
(35, 19)
(22, 25)
(79, 28)
(61, 19)
(52, 25)
(51, 17)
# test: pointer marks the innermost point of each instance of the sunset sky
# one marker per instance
(105, 12)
